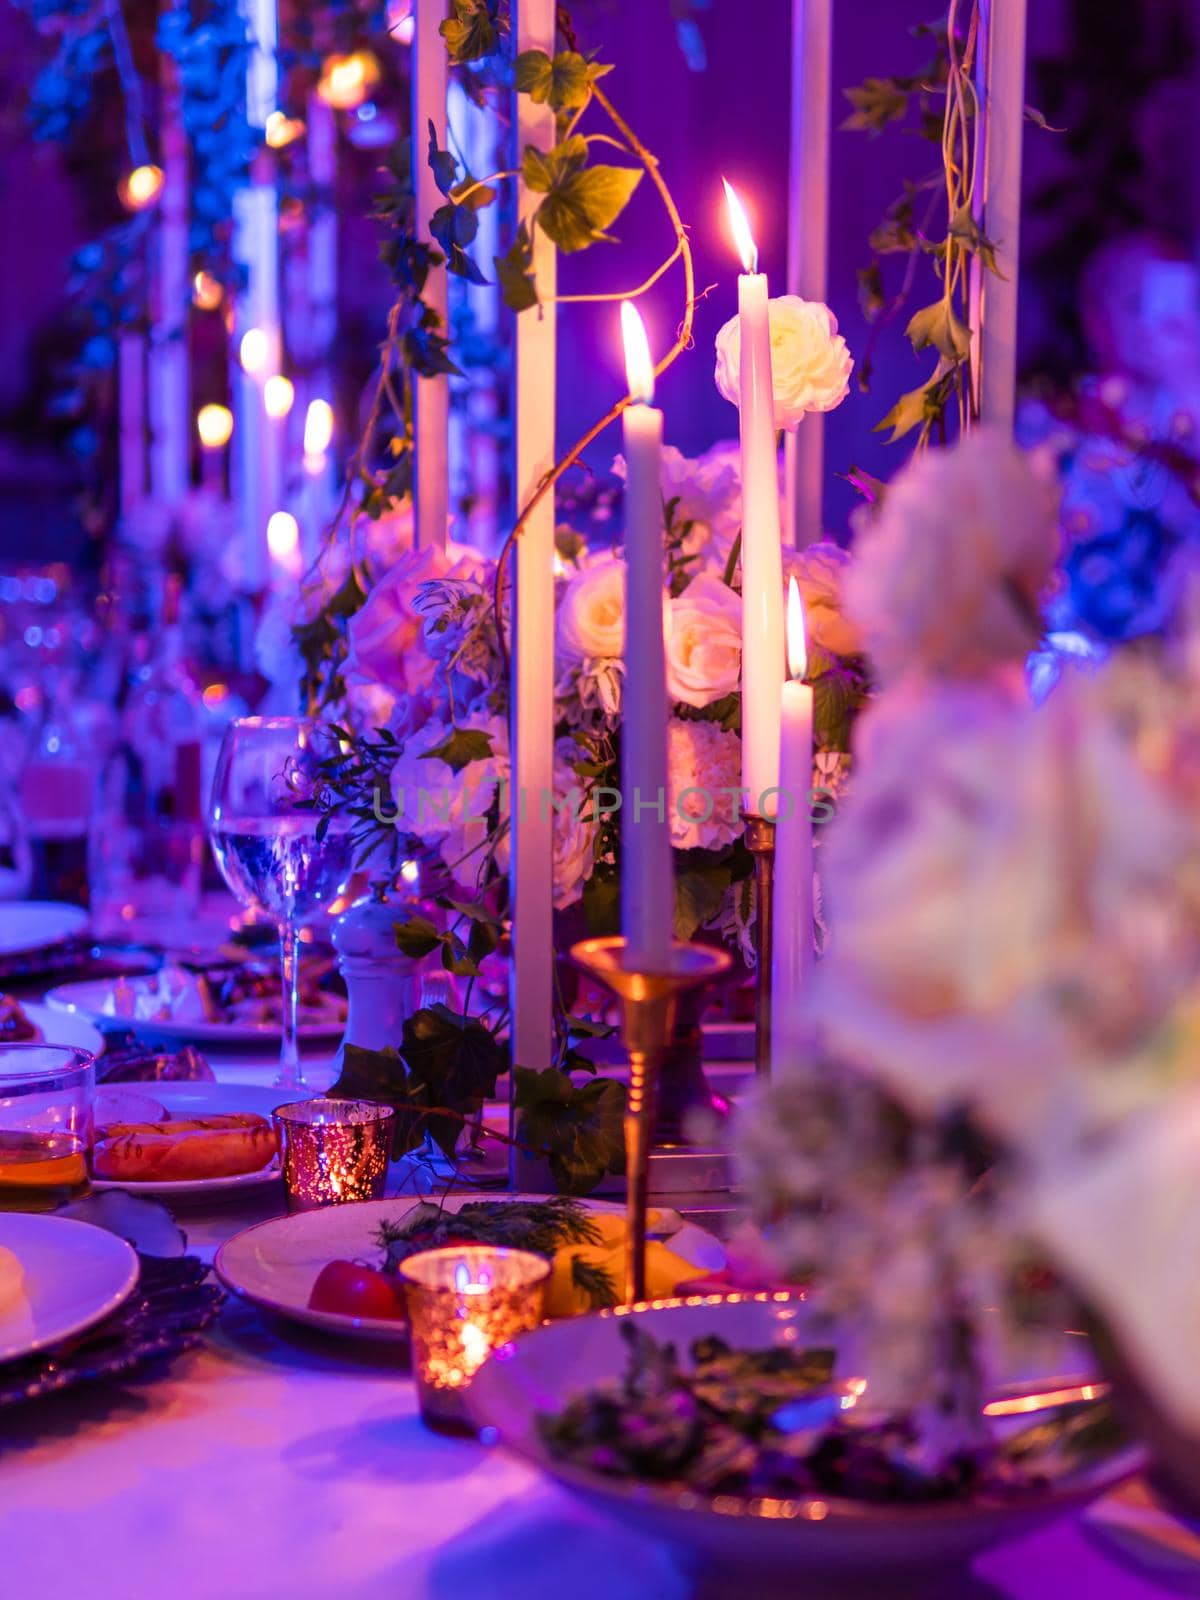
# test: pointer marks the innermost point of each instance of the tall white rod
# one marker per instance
(1004, 29)
(169, 388)
(131, 403)
(431, 396)
(533, 627)
(256, 246)
(808, 242)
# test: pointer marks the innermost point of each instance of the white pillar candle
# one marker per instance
(647, 891)
(808, 242)
(762, 558)
(532, 640)
(792, 950)
(1004, 30)
(431, 396)
(170, 408)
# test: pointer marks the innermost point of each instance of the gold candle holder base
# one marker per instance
(647, 1017)
(760, 841)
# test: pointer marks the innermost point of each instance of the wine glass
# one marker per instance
(263, 824)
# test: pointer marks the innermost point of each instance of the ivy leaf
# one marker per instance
(876, 102)
(915, 409)
(699, 891)
(515, 275)
(939, 325)
(473, 31)
(871, 489)
(564, 83)
(462, 747)
(417, 936)
(454, 227)
(1038, 118)
(453, 1061)
(441, 163)
(964, 228)
(581, 201)
(835, 695)
(870, 291)
(578, 1128)
(601, 901)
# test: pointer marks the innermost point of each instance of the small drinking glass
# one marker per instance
(464, 1301)
(334, 1151)
(264, 827)
(46, 1093)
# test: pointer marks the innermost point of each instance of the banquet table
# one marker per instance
(273, 1463)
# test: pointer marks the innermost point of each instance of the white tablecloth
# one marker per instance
(272, 1465)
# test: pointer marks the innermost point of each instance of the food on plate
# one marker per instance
(182, 1150)
(585, 1249)
(12, 1280)
(244, 994)
(351, 1289)
(775, 1424)
(15, 1026)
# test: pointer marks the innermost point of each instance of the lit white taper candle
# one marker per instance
(647, 892)
(762, 558)
(431, 396)
(792, 945)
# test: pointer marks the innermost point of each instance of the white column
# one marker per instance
(431, 396)
(1004, 30)
(131, 411)
(808, 242)
(169, 388)
(259, 467)
(533, 631)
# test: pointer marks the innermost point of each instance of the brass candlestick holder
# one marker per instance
(760, 841)
(647, 1017)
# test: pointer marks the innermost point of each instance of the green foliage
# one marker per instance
(579, 1129)
(581, 201)
(444, 1072)
(564, 83)
(595, 1281)
(462, 747)
(473, 30)
(938, 325)
(877, 102)
(514, 270)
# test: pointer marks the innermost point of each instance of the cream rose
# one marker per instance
(820, 572)
(810, 361)
(591, 612)
(704, 642)
(704, 770)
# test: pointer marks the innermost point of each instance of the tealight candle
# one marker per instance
(334, 1151)
(464, 1302)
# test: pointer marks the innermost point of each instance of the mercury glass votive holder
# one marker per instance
(333, 1151)
(464, 1302)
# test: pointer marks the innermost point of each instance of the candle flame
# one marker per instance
(283, 539)
(279, 395)
(214, 424)
(797, 644)
(739, 224)
(318, 427)
(141, 187)
(254, 350)
(639, 369)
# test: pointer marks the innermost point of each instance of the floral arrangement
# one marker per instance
(1002, 1111)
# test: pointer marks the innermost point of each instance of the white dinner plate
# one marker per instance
(276, 1263)
(94, 999)
(202, 1100)
(30, 924)
(63, 1027)
(74, 1276)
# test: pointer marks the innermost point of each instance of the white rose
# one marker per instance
(810, 361)
(820, 571)
(949, 574)
(591, 612)
(704, 642)
(704, 771)
(1004, 938)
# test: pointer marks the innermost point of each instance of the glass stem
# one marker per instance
(291, 1075)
